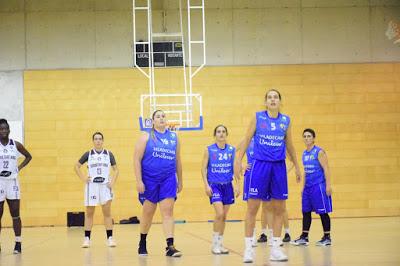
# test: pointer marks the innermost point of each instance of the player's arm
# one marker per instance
(25, 153)
(323, 160)
(137, 160)
(204, 166)
(77, 167)
(291, 165)
(292, 152)
(244, 166)
(237, 183)
(179, 166)
(243, 147)
(114, 166)
(239, 146)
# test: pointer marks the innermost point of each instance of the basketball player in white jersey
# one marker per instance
(99, 185)
(9, 184)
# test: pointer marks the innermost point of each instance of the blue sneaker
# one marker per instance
(17, 248)
(325, 241)
(301, 241)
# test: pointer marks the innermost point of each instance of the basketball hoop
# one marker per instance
(173, 126)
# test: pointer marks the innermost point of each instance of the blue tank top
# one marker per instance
(269, 138)
(314, 173)
(159, 158)
(220, 163)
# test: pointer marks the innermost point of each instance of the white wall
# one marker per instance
(47, 34)
(11, 100)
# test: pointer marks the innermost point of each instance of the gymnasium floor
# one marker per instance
(356, 241)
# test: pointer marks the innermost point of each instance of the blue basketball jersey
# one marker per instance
(250, 152)
(314, 173)
(220, 163)
(269, 138)
(159, 158)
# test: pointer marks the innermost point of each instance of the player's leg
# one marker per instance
(228, 198)
(148, 210)
(108, 223)
(221, 236)
(218, 225)
(287, 237)
(263, 236)
(259, 182)
(89, 214)
(92, 196)
(326, 225)
(250, 221)
(14, 206)
(167, 195)
(279, 195)
(307, 219)
(2, 199)
(167, 214)
(323, 206)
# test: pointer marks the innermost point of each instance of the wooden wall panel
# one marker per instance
(354, 109)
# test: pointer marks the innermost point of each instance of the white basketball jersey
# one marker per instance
(99, 166)
(9, 160)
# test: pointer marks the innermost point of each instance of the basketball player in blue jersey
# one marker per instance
(272, 137)
(266, 220)
(9, 184)
(98, 186)
(316, 195)
(217, 172)
(158, 171)
(266, 209)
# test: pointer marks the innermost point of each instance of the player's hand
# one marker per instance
(298, 175)
(248, 166)
(110, 184)
(86, 179)
(208, 191)
(328, 190)
(245, 167)
(140, 186)
(180, 187)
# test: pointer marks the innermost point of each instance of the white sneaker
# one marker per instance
(111, 242)
(215, 249)
(223, 250)
(277, 255)
(86, 242)
(271, 243)
(248, 256)
(254, 242)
